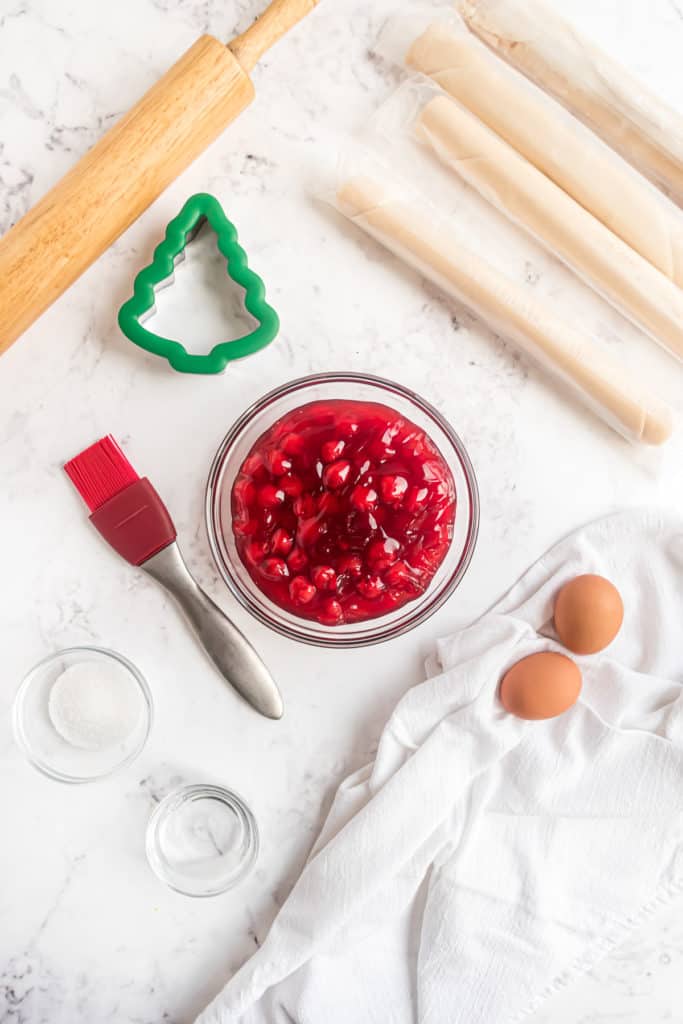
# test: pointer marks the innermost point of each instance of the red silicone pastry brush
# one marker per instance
(133, 519)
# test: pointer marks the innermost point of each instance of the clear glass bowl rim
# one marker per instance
(384, 631)
(18, 729)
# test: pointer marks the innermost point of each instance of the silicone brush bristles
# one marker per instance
(100, 472)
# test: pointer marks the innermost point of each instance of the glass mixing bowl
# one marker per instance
(258, 419)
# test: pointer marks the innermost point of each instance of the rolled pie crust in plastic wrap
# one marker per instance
(553, 141)
(532, 37)
(535, 203)
(405, 223)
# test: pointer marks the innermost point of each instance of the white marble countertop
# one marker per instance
(87, 933)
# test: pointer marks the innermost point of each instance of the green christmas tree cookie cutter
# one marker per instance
(197, 211)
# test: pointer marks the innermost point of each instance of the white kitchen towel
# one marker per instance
(481, 862)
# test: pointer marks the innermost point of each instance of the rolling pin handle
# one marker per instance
(271, 26)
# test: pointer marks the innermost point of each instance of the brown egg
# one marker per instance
(543, 685)
(588, 614)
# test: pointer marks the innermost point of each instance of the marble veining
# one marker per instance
(87, 933)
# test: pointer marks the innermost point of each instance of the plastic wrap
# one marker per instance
(536, 204)
(542, 131)
(403, 220)
(532, 37)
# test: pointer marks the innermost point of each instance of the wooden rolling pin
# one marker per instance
(49, 248)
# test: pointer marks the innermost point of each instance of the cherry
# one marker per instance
(441, 493)
(363, 498)
(384, 447)
(393, 488)
(416, 498)
(304, 506)
(297, 560)
(282, 542)
(399, 576)
(324, 577)
(432, 538)
(337, 474)
(270, 496)
(348, 426)
(256, 551)
(393, 599)
(278, 463)
(355, 611)
(309, 531)
(432, 472)
(383, 553)
(370, 587)
(330, 613)
(413, 444)
(301, 590)
(244, 527)
(253, 464)
(350, 565)
(275, 569)
(427, 560)
(294, 444)
(381, 453)
(244, 491)
(332, 450)
(291, 485)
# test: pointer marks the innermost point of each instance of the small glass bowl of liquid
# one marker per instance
(202, 840)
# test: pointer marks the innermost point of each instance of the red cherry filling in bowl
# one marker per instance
(343, 511)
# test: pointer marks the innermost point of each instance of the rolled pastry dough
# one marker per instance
(508, 308)
(554, 142)
(535, 203)
(535, 39)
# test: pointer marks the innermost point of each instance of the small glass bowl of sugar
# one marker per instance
(82, 713)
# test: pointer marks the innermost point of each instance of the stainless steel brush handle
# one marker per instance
(228, 648)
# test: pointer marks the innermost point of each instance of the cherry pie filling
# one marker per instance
(343, 511)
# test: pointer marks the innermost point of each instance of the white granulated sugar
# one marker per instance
(94, 706)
